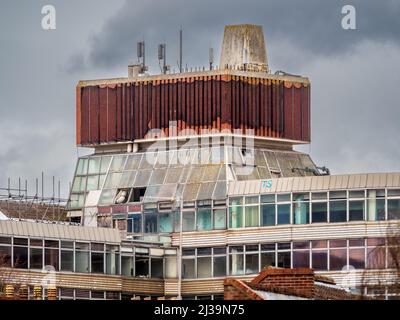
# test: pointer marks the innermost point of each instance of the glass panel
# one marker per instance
(132, 163)
(127, 266)
(204, 267)
(5, 240)
(268, 198)
(393, 192)
(79, 184)
(142, 266)
(220, 219)
(319, 196)
(337, 211)
(236, 217)
(150, 222)
(268, 215)
(283, 197)
(337, 195)
(320, 259)
(189, 221)
(134, 223)
(376, 209)
(113, 180)
(252, 216)
(251, 200)
(82, 166)
(301, 212)
(166, 222)
(357, 258)
(21, 257)
(142, 178)
(356, 243)
(235, 201)
(338, 243)
(219, 266)
(157, 266)
(36, 242)
(118, 163)
(284, 260)
(236, 264)
(105, 163)
(267, 259)
(251, 263)
(51, 257)
(94, 165)
(337, 258)
(376, 258)
(301, 259)
(97, 262)
(357, 194)
(92, 183)
(188, 268)
(376, 193)
(356, 210)
(5, 256)
(319, 212)
(204, 219)
(67, 260)
(319, 244)
(158, 176)
(82, 261)
(51, 243)
(127, 179)
(393, 209)
(284, 214)
(36, 258)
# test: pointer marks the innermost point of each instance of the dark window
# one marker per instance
(21, 257)
(337, 211)
(142, 266)
(301, 259)
(51, 258)
(337, 258)
(284, 260)
(36, 258)
(5, 256)
(268, 215)
(376, 257)
(357, 258)
(97, 262)
(220, 266)
(356, 210)
(150, 222)
(188, 268)
(204, 267)
(156, 267)
(137, 194)
(320, 259)
(67, 260)
(319, 212)
(267, 259)
(252, 263)
(284, 214)
(393, 209)
(134, 223)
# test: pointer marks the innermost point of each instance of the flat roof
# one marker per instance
(186, 75)
(58, 231)
(315, 183)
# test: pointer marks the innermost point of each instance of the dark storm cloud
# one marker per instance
(309, 25)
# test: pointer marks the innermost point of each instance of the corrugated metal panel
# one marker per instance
(107, 112)
(333, 182)
(58, 231)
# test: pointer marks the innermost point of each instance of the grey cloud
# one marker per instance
(308, 24)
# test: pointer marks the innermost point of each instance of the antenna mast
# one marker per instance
(180, 49)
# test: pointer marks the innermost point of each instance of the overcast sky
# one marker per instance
(355, 74)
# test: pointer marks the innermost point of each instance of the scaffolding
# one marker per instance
(19, 203)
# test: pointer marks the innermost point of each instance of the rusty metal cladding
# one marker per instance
(126, 111)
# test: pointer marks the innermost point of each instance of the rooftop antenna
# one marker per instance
(141, 55)
(162, 56)
(211, 57)
(180, 49)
